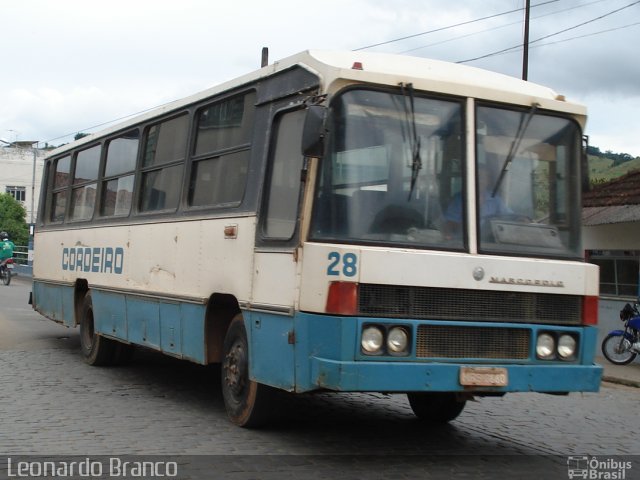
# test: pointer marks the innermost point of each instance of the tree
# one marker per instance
(12, 219)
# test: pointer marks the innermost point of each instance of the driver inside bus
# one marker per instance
(490, 205)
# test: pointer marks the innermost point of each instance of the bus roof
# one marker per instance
(337, 67)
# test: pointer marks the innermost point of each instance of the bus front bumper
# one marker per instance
(383, 376)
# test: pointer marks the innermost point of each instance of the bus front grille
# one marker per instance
(446, 341)
(426, 303)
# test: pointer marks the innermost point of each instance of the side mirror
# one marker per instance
(314, 132)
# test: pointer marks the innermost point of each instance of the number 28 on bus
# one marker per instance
(343, 221)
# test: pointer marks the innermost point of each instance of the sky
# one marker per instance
(71, 66)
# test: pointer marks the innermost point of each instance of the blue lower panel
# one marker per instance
(144, 322)
(54, 302)
(172, 327)
(110, 314)
(271, 349)
(442, 377)
(175, 328)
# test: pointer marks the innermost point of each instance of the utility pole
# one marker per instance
(525, 54)
(34, 151)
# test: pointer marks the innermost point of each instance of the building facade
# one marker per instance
(611, 235)
(21, 174)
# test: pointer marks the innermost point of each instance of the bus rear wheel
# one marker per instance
(96, 349)
(248, 403)
(436, 408)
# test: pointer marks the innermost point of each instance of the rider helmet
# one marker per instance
(4, 236)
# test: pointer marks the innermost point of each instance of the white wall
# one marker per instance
(617, 236)
(16, 169)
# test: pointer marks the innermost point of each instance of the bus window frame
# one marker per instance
(329, 133)
(73, 186)
(193, 158)
(140, 170)
(52, 190)
(103, 179)
(576, 185)
(266, 103)
(262, 240)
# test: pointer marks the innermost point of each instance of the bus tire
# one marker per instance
(96, 349)
(248, 403)
(436, 408)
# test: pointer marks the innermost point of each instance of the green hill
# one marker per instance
(605, 166)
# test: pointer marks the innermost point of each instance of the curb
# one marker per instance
(621, 381)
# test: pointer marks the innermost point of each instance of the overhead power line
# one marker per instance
(515, 47)
(452, 26)
(506, 50)
(107, 123)
(588, 35)
(608, 30)
(519, 22)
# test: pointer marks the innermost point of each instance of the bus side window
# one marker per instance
(83, 193)
(163, 162)
(283, 191)
(222, 152)
(60, 182)
(117, 186)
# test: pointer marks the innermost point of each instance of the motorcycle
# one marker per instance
(6, 266)
(620, 347)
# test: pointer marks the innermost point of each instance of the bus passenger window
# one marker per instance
(222, 150)
(83, 194)
(61, 179)
(219, 180)
(87, 163)
(58, 206)
(63, 169)
(116, 196)
(83, 200)
(117, 188)
(161, 189)
(166, 142)
(226, 124)
(165, 148)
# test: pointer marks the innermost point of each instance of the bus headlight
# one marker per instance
(545, 346)
(372, 340)
(566, 346)
(397, 340)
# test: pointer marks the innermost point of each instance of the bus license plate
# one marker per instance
(483, 377)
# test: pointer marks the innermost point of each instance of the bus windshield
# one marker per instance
(392, 161)
(394, 173)
(528, 187)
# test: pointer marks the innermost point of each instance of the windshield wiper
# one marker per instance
(416, 161)
(515, 145)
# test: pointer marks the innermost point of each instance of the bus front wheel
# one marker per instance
(436, 407)
(96, 349)
(247, 402)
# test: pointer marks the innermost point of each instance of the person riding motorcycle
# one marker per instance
(6, 247)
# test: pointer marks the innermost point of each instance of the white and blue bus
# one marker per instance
(338, 221)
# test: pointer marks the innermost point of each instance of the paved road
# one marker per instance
(54, 404)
